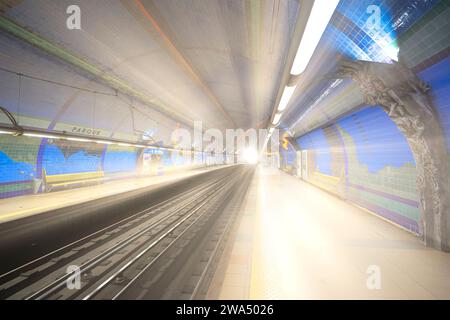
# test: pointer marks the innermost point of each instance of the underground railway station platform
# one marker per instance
(305, 248)
(225, 155)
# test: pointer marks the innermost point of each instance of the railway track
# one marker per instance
(195, 283)
(173, 273)
(112, 260)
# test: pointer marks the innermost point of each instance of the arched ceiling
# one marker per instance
(319, 98)
(219, 61)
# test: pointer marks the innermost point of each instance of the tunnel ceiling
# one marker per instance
(214, 60)
(354, 33)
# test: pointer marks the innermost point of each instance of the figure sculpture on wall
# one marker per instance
(406, 99)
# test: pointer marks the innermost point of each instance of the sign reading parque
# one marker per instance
(87, 131)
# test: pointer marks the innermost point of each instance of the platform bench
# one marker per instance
(52, 182)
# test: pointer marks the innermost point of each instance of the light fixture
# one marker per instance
(285, 97)
(271, 130)
(78, 139)
(276, 119)
(319, 17)
(103, 142)
(250, 155)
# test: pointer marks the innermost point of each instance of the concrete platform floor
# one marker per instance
(295, 241)
(19, 207)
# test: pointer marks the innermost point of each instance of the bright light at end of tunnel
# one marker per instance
(250, 155)
(321, 14)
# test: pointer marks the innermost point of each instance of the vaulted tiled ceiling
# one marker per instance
(319, 97)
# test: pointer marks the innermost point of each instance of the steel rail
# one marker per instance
(212, 256)
(110, 227)
(132, 281)
(95, 261)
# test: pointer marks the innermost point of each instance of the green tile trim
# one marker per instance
(15, 187)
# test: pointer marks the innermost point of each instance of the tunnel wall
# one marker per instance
(27, 164)
(365, 159)
(43, 93)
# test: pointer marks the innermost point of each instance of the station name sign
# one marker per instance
(87, 131)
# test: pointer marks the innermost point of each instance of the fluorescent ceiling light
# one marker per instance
(286, 96)
(38, 135)
(321, 14)
(276, 119)
(79, 139)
